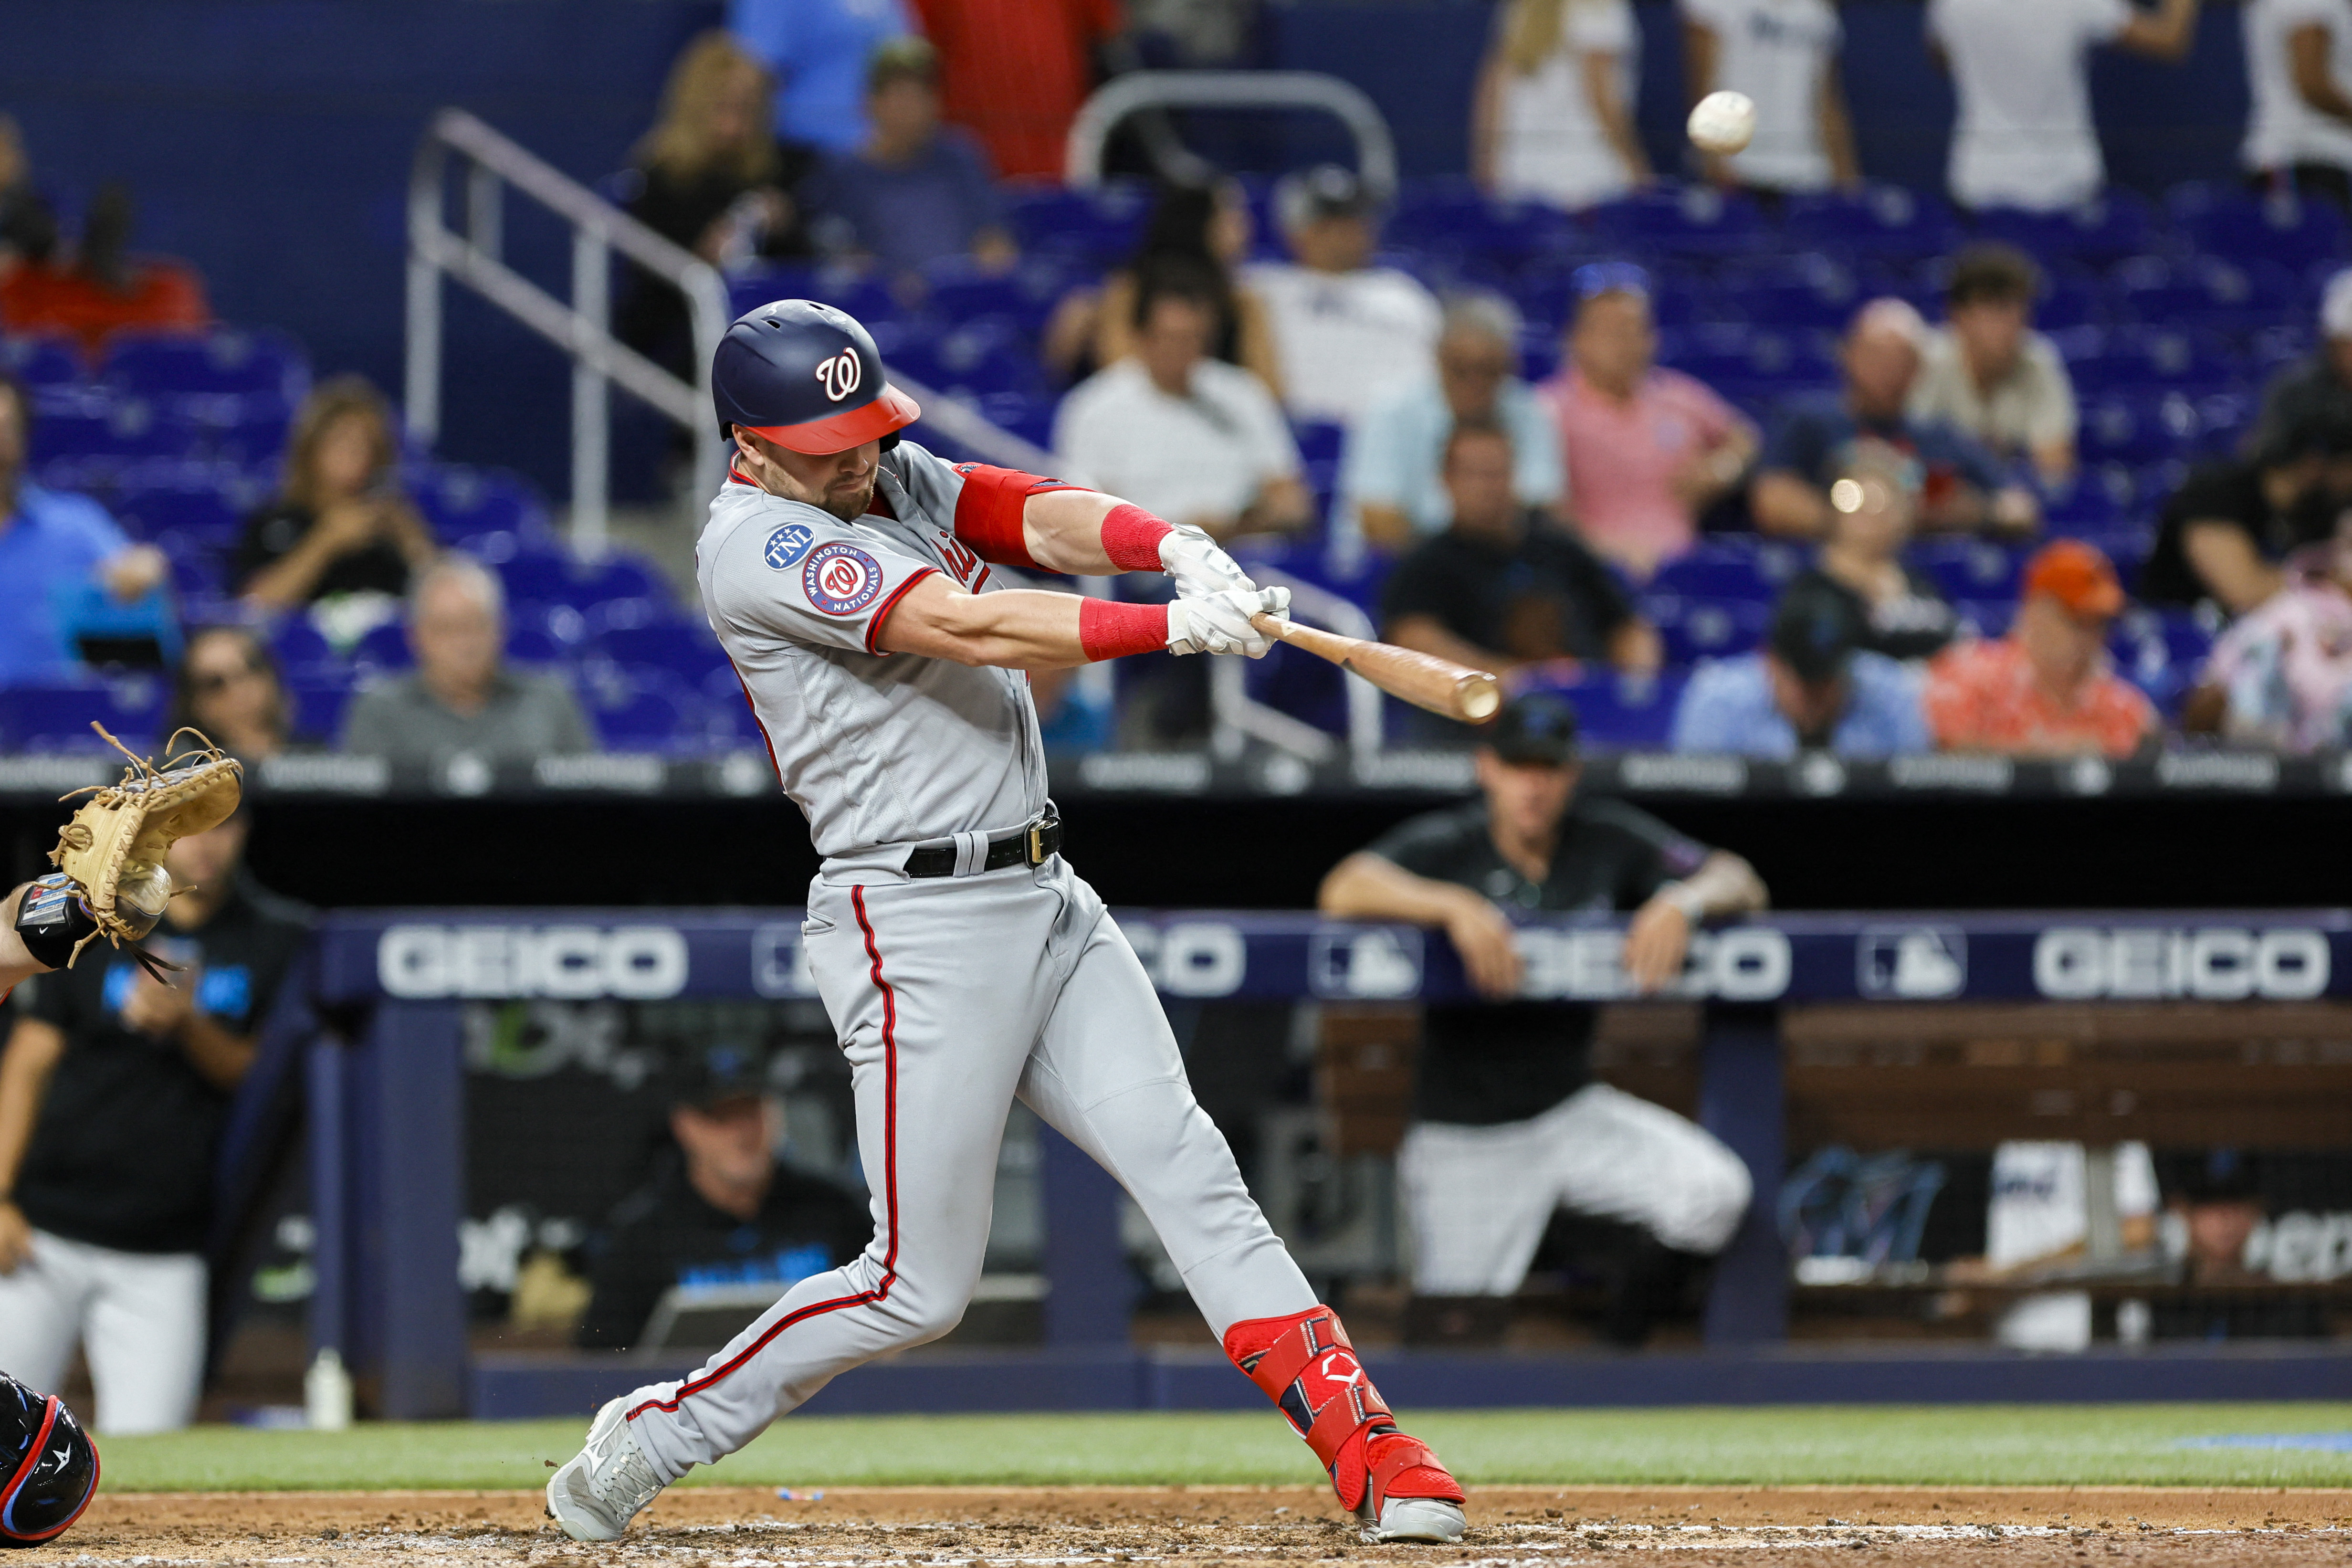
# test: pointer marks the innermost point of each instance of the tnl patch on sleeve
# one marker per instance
(788, 544)
(841, 579)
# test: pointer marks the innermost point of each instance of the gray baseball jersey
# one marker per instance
(951, 996)
(878, 751)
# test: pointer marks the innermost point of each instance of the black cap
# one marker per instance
(1328, 190)
(1815, 628)
(2321, 428)
(713, 1074)
(1538, 728)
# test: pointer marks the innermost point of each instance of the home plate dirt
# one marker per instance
(715, 1527)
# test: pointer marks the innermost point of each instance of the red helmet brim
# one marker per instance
(893, 410)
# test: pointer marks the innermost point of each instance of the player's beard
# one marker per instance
(849, 502)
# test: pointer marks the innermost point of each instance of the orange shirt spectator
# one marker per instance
(1647, 449)
(1014, 72)
(2045, 689)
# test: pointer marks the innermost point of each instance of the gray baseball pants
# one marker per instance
(952, 998)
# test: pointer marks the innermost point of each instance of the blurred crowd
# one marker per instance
(1552, 461)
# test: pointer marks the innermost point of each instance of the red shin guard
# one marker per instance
(1306, 1365)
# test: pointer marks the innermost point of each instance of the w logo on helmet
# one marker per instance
(841, 375)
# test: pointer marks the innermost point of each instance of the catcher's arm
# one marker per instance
(17, 962)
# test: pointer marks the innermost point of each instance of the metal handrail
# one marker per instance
(582, 327)
(1090, 132)
(1238, 717)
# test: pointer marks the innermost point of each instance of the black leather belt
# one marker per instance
(1029, 845)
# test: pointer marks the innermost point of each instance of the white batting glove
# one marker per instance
(1199, 564)
(1220, 623)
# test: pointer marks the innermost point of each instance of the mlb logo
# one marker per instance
(1365, 965)
(1912, 963)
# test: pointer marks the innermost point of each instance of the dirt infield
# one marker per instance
(715, 1527)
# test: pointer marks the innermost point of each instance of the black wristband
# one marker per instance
(51, 921)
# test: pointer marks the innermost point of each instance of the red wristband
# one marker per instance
(1131, 537)
(1109, 629)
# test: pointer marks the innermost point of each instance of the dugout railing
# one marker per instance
(386, 1096)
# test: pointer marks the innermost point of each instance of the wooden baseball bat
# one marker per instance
(1449, 690)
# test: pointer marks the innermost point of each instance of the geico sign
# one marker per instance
(2213, 963)
(1742, 965)
(1192, 958)
(637, 962)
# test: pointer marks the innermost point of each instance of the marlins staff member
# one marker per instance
(1508, 1124)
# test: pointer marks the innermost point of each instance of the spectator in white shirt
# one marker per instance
(1344, 330)
(1784, 54)
(1391, 488)
(1988, 373)
(1188, 437)
(2299, 75)
(1552, 119)
(2025, 137)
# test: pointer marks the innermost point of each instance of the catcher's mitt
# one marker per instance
(113, 849)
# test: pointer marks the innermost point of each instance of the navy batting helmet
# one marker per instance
(807, 377)
(48, 1465)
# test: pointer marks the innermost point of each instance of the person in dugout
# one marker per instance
(720, 1207)
(1508, 1124)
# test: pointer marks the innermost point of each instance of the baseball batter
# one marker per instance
(962, 963)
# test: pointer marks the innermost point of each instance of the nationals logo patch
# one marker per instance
(841, 579)
(788, 543)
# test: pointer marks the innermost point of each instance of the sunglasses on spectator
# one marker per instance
(1598, 277)
(210, 682)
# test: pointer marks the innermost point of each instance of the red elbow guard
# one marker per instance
(988, 515)
(1109, 629)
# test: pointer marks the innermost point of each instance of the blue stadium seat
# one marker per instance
(1319, 441)
(961, 292)
(112, 430)
(246, 429)
(565, 626)
(971, 358)
(1990, 617)
(643, 711)
(40, 361)
(1720, 569)
(2115, 223)
(1695, 628)
(1968, 568)
(1810, 290)
(2138, 360)
(1751, 364)
(2204, 293)
(225, 359)
(1681, 220)
(1094, 228)
(461, 502)
(217, 519)
(1892, 222)
(688, 652)
(55, 717)
(319, 699)
(299, 646)
(385, 647)
(863, 294)
(546, 575)
(2230, 222)
(623, 576)
(2129, 427)
(1624, 713)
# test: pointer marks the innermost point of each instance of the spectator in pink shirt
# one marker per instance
(1647, 449)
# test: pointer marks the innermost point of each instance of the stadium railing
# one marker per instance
(387, 1151)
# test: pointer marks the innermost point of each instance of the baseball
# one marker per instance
(1723, 122)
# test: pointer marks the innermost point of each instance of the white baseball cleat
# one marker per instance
(607, 1484)
(1429, 1518)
